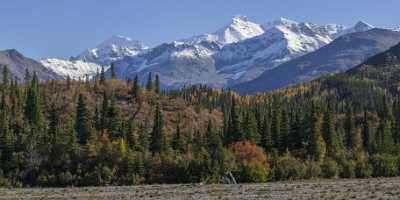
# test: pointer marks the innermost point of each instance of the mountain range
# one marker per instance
(241, 55)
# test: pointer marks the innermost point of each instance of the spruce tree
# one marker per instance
(350, 128)
(157, 134)
(330, 135)
(266, 137)
(284, 131)
(157, 84)
(135, 88)
(234, 129)
(112, 69)
(250, 128)
(316, 147)
(6, 78)
(177, 140)
(149, 85)
(102, 76)
(83, 125)
(114, 126)
(276, 127)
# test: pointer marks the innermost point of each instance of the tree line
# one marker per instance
(103, 131)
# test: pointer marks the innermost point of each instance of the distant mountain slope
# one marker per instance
(74, 69)
(18, 64)
(343, 53)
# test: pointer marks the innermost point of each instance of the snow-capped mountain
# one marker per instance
(91, 60)
(239, 29)
(111, 50)
(282, 41)
(75, 69)
(240, 51)
(189, 61)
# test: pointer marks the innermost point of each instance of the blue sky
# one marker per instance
(63, 28)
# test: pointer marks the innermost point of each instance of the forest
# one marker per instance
(104, 131)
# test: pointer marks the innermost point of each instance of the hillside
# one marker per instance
(18, 64)
(340, 55)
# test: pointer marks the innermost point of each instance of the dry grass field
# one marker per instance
(343, 189)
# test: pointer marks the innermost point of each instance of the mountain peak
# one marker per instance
(362, 26)
(239, 18)
(121, 41)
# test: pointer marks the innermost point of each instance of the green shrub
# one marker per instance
(253, 173)
(384, 165)
(330, 169)
(313, 169)
(289, 168)
(348, 169)
(363, 170)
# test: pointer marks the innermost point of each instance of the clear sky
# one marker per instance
(63, 28)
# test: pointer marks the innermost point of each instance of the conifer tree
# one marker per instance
(350, 128)
(6, 78)
(284, 131)
(366, 132)
(149, 85)
(316, 147)
(250, 128)
(266, 137)
(329, 133)
(83, 125)
(157, 84)
(177, 140)
(102, 76)
(33, 112)
(157, 134)
(234, 130)
(276, 127)
(112, 69)
(135, 88)
(114, 126)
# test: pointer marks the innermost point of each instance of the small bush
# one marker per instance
(348, 169)
(289, 168)
(363, 170)
(384, 165)
(253, 173)
(330, 169)
(313, 169)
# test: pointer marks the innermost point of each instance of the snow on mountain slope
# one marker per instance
(239, 29)
(111, 50)
(282, 41)
(75, 69)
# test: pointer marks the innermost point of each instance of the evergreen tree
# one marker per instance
(112, 69)
(330, 135)
(177, 140)
(135, 88)
(33, 111)
(284, 131)
(114, 126)
(266, 137)
(316, 147)
(149, 85)
(234, 130)
(366, 132)
(250, 128)
(157, 84)
(350, 127)
(6, 78)
(157, 135)
(276, 127)
(102, 76)
(83, 125)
